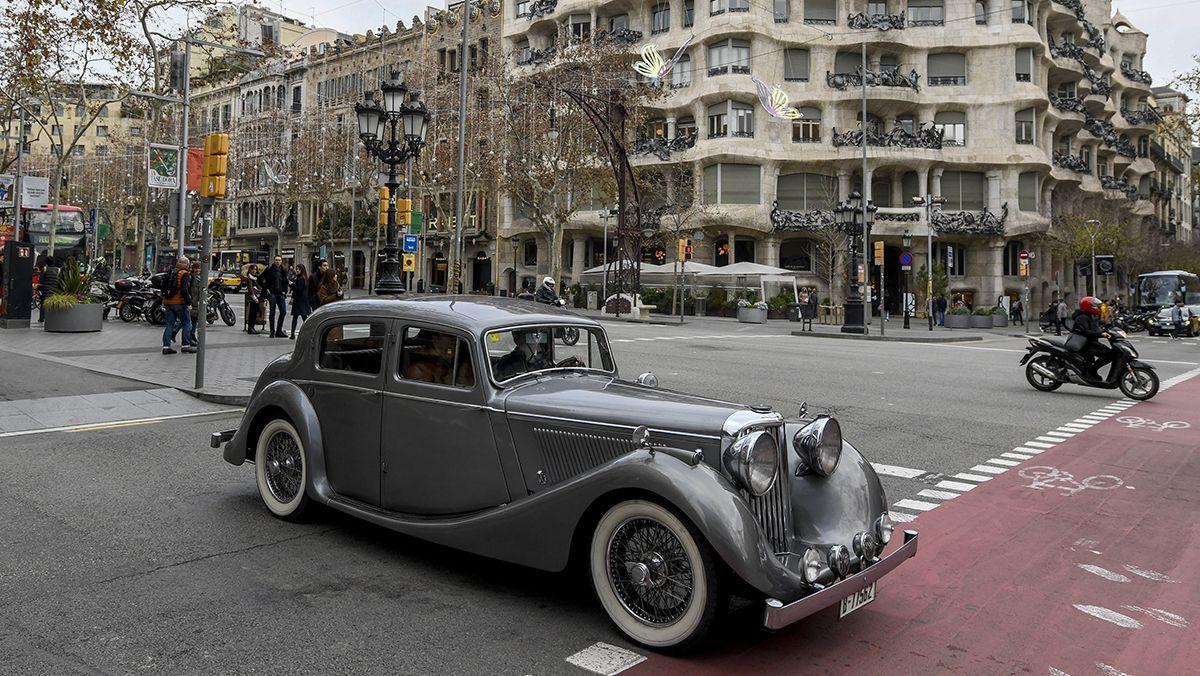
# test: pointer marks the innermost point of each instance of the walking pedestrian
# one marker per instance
(1018, 312)
(301, 308)
(329, 289)
(196, 290)
(47, 284)
(314, 283)
(177, 297)
(1176, 320)
(941, 304)
(253, 299)
(1060, 316)
(274, 284)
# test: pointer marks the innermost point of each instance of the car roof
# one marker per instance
(475, 314)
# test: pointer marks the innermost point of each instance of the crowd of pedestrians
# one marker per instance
(275, 284)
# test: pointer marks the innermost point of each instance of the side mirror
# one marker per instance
(648, 379)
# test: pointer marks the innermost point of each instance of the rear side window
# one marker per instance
(436, 357)
(353, 346)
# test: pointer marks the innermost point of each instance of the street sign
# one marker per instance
(1023, 255)
(906, 260)
(409, 262)
(410, 244)
(698, 235)
(1106, 265)
(879, 252)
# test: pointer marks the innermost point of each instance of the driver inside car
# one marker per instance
(532, 353)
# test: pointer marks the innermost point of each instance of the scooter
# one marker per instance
(1049, 364)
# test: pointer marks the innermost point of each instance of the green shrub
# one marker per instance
(717, 298)
(985, 311)
(958, 311)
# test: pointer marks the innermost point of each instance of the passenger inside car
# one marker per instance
(436, 357)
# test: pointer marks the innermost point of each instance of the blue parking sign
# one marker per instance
(410, 244)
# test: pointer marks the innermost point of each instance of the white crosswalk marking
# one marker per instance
(1016, 456)
(955, 485)
(918, 505)
(901, 472)
(1004, 463)
(1039, 444)
(901, 517)
(1031, 451)
(989, 469)
(972, 477)
(938, 495)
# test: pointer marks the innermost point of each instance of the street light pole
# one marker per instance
(186, 80)
(1093, 230)
(456, 269)
(906, 242)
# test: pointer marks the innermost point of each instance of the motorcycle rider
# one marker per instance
(1086, 323)
(546, 294)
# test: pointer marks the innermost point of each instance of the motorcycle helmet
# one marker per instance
(548, 281)
(1090, 305)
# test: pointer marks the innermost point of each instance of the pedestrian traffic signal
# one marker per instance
(403, 211)
(685, 250)
(216, 166)
(383, 204)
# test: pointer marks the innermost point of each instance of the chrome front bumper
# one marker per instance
(779, 615)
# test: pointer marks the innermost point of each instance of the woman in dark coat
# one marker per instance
(301, 308)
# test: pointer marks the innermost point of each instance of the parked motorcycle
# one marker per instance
(131, 304)
(1134, 322)
(1049, 364)
(216, 304)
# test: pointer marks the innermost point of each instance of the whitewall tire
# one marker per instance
(654, 577)
(281, 470)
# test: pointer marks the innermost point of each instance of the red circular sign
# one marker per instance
(1024, 255)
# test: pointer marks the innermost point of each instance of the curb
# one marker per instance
(887, 339)
(217, 397)
(636, 321)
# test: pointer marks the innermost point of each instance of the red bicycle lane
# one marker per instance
(1082, 560)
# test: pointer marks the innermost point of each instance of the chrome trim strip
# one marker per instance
(630, 428)
(344, 386)
(778, 615)
(739, 421)
(431, 400)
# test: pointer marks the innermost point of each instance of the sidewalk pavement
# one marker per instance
(22, 415)
(1081, 559)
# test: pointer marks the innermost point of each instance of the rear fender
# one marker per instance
(282, 398)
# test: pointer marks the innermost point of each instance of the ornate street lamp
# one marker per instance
(393, 131)
(849, 215)
(906, 242)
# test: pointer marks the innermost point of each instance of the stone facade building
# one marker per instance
(1001, 107)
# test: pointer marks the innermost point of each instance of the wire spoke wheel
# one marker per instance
(280, 470)
(283, 466)
(649, 571)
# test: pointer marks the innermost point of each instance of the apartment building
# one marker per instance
(1001, 107)
(1170, 187)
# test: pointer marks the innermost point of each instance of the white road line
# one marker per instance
(1031, 451)
(1003, 463)
(1060, 435)
(1049, 439)
(972, 477)
(1075, 427)
(1038, 444)
(1016, 456)
(900, 517)
(605, 659)
(989, 469)
(917, 505)
(114, 423)
(902, 472)
(955, 485)
(937, 495)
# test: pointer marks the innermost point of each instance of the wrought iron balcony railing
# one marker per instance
(888, 77)
(970, 223)
(882, 22)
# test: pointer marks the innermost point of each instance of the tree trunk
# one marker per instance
(556, 254)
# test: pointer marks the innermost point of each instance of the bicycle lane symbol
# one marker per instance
(1051, 478)
(1134, 422)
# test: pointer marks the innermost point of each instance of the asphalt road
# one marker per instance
(24, 377)
(137, 549)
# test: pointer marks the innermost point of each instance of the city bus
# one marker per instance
(1157, 290)
(70, 237)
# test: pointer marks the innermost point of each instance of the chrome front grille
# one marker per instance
(773, 508)
(567, 454)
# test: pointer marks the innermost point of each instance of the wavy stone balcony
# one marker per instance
(927, 137)
(1074, 163)
(971, 223)
(888, 77)
(1121, 185)
(662, 147)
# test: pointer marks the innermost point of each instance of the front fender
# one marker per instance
(1141, 364)
(283, 397)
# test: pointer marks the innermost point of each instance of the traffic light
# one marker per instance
(403, 212)
(685, 249)
(216, 166)
(384, 195)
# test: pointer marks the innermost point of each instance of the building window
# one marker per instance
(716, 7)
(1144, 146)
(78, 151)
(953, 257)
(806, 192)
(796, 255)
(689, 13)
(135, 131)
(56, 129)
(926, 12)
(656, 128)
(522, 8)
(807, 129)
(267, 33)
(354, 347)
(681, 74)
(1012, 257)
(685, 126)
(820, 12)
(953, 126)
(1022, 11)
(729, 56)
(619, 22)
(847, 63)
(530, 251)
(877, 8)
(731, 118)
(1027, 190)
(907, 122)
(731, 184)
(718, 121)
(1025, 64)
(1026, 126)
(1101, 168)
(795, 65)
(101, 150)
(947, 69)
(101, 130)
(964, 190)
(436, 357)
(783, 10)
(981, 13)
(581, 26)
(660, 18)
(1085, 154)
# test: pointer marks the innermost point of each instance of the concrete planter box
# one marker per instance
(79, 318)
(981, 321)
(958, 321)
(999, 321)
(751, 315)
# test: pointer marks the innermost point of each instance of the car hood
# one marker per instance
(600, 400)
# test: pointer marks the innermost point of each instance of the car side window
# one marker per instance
(436, 357)
(353, 346)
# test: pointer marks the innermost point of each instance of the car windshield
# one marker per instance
(513, 353)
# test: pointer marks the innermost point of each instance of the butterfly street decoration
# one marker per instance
(652, 65)
(775, 101)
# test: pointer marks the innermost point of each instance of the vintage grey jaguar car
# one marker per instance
(469, 422)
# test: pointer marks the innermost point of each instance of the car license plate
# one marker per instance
(858, 599)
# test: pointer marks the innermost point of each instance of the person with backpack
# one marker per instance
(177, 297)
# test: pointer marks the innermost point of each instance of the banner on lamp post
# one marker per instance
(35, 192)
(162, 166)
(7, 191)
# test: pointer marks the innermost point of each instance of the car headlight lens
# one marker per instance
(819, 445)
(884, 528)
(813, 565)
(754, 460)
(839, 560)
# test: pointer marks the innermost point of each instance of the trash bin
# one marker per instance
(700, 305)
(593, 300)
(793, 312)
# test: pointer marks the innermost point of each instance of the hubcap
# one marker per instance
(649, 571)
(283, 467)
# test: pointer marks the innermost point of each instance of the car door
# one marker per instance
(439, 454)
(346, 390)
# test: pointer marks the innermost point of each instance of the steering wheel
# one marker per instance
(570, 362)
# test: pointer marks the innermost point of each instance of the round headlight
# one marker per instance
(884, 528)
(819, 445)
(754, 460)
(812, 565)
